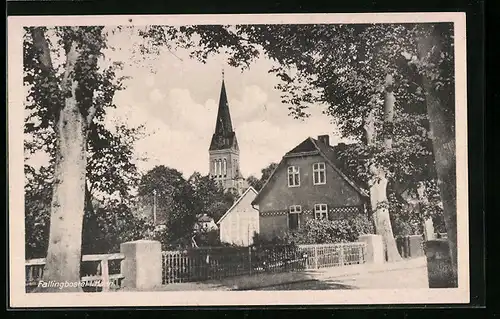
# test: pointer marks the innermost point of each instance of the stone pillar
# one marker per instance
(374, 248)
(142, 266)
(439, 267)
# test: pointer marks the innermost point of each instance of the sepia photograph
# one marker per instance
(238, 160)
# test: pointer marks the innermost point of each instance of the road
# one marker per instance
(413, 278)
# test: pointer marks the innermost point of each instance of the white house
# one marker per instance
(205, 223)
(240, 222)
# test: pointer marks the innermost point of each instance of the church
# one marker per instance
(224, 152)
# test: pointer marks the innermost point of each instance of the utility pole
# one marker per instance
(154, 207)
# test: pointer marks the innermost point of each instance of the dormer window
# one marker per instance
(293, 176)
(319, 174)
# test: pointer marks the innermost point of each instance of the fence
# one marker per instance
(222, 262)
(100, 272)
(334, 255)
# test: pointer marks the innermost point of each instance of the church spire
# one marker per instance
(224, 125)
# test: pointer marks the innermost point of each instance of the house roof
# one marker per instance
(205, 219)
(224, 136)
(249, 189)
(308, 147)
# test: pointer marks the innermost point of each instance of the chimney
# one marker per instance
(325, 139)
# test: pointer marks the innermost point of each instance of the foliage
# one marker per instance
(254, 182)
(208, 238)
(266, 173)
(259, 240)
(404, 221)
(321, 231)
(210, 197)
(175, 200)
(37, 210)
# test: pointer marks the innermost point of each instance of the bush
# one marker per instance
(320, 231)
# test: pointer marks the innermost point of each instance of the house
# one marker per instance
(240, 222)
(224, 152)
(205, 223)
(308, 183)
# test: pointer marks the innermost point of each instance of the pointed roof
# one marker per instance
(237, 201)
(224, 136)
(310, 146)
(223, 125)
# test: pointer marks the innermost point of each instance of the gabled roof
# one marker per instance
(309, 147)
(249, 189)
(224, 136)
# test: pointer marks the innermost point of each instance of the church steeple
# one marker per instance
(224, 153)
(224, 124)
(224, 136)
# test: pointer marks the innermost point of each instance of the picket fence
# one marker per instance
(200, 264)
(101, 272)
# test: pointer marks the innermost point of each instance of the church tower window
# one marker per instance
(224, 167)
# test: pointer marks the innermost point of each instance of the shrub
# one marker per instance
(320, 231)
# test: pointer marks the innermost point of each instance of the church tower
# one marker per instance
(224, 151)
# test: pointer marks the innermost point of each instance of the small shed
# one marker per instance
(240, 222)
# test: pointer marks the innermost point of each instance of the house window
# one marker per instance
(293, 176)
(321, 211)
(215, 168)
(294, 217)
(319, 174)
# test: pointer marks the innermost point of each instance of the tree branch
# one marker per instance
(41, 44)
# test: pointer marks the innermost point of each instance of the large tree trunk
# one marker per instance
(380, 206)
(440, 109)
(67, 210)
(378, 183)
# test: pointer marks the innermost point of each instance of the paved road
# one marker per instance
(409, 274)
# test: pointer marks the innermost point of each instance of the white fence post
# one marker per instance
(315, 257)
(250, 259)
(341, 255)
(105, 275)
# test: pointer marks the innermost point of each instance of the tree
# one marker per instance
(68, 92)
(210, 197)
(37, 210)
(175, 201)
(64, 97)
(436, 65)
(266, 173)
(254, 182)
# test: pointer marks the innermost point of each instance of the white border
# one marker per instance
(18, 297)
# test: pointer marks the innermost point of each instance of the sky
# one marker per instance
(176, 98)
